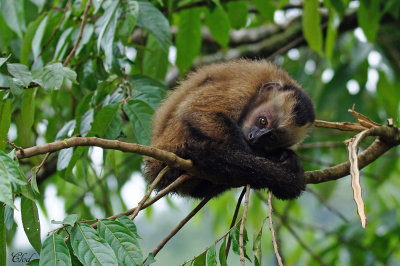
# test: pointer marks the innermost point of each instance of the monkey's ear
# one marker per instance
(269, 86)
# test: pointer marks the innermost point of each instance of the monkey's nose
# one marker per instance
(251, 136)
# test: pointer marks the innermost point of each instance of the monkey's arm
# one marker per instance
(221, 164)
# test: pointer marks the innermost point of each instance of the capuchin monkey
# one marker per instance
(236, 121)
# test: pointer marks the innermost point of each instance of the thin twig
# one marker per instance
(40, 165)
(18, 148)
(154, 199)
(241, 232)
(180, 225)
(235, 214)
(151, 188)
(271, 227)
(295, 235)
(85, 14)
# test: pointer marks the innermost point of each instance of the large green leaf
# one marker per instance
(53, 76)
(155, 60)
(129, 224)
(54, 252)
(188, 38)
(64, 157)
(107, 24)
(28, 107)
(37, 39)
(31, 223)
(266, 8)
(12, 171)
(151, 19)
(122, 241)
(222, 254)
(212, 256)
(5, 121)
(331, 34)
(27, 41)
(237, 13)
(140, 114)
(148, 90)
(312, 25)
(62, 44)
(6, 193)
(20, 72)
(200, 260)
(368, 18)
(107, 122)
(90, 248)
(13, 13)
(131, 9)
(218, 22)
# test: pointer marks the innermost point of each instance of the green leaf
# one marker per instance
(148, 90)
(31, 223)
(90, 248)
(86, 122)
(34, 262)
(62, 44)
(237, 13)
(13, 14)
(64, 157)
(71, 219)
(333, 25)
(20, 72)
(222, 254)
(107, 24)
(368, 18)
(200, 260)
(26, 191)
(5, 121)
(151, 19)
(155, 60)
(122, 241)
(3, 237)
(54, 252)
(266, 8)
(37, 39)
(12, 171)
(188, 38)
(150, 259)
(16, 85)
(9, 217)
(3, 60)
(139, 114)
(27, 41)
(235, 234)
(212, 256)
(33, 181)
(105, 120)
(129, 224)
(312, 25)
(218, 23)
(53, 76)
(257, 246)
(86, 37)
(68, 127)
(28, 107)
(131, 10)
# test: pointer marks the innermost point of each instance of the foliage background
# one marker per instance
(131, 52)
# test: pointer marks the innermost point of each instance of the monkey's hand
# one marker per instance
(289, 159)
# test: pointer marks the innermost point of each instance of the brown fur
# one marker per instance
(211, 92)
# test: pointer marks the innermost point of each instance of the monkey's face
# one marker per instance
(277, 120)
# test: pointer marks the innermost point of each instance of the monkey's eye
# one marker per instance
(263, 122)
